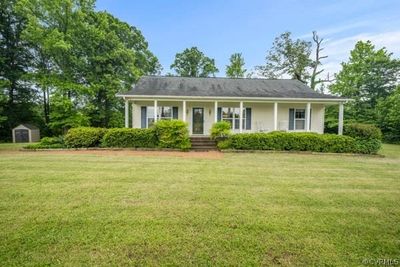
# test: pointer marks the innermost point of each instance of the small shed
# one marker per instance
(25, 133)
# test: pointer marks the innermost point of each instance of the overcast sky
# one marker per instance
(220, 28)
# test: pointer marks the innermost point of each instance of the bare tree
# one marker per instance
(317, 62)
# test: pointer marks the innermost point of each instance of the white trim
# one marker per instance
(241, 117)
(340, 124)
(132, 113)
(184, 110)
(228, 98)
(275, 116)
(308, 117)
(126, 113)
(215, 111)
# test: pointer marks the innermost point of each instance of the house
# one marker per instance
(266, 105)
(25, 133)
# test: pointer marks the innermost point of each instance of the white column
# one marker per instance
(155, 110)
(184, 110)
(275, 116)
(340, 125)
(215, 111)
(308, 117)
(133, 111)
(126, 114)
(241, 117)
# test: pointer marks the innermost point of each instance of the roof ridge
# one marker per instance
(227, 78)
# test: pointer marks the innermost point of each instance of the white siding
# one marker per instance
(262, 114)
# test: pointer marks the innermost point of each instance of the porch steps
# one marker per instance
(202, 143)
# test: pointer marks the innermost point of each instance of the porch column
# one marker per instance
(340, 125)
(275, 116)
(241, 117)
(133, 111)
(126, 114)
(308, 116)
(155, 110)
(215, 111)
(184, 110)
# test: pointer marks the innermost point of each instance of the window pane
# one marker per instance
(226, 113)
(150, 122)
(300, 114)
(150, 112)
(165, 112)
(236, 112)
(244, 112)
(244, 124)
(237, 124)
(299, 124)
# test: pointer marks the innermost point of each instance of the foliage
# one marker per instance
(362, 131)
(129, 137)
(302, 142)
(16, 94)
(288, 57)
(84, 137)
(388, 113)
(48, 143)
(220, 129)
(193, 63)
(172, 134)
(368, 76)
(236, 67)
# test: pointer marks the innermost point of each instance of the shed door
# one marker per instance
(21, 136)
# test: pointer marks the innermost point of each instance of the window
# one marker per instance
(163, 113)
(299, 119)
(232, 116)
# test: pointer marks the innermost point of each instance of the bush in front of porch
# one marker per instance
(284, 141)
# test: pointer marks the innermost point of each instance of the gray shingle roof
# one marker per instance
(223, 87)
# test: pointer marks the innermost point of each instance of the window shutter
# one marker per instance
(291, 119)
(248, 118)
(143, 117)
(219, 114)
(175, 113)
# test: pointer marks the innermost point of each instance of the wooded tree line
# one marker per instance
(62, 62)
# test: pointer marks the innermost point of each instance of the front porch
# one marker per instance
(256, 115)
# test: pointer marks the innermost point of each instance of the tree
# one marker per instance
(368, 76)
(16, 94)
(288, 57)
(193, 63)
(317, 63)
(236, 67)
(388, 111)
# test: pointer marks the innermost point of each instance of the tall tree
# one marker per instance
(288, 57)
(236, 67)
(316, 64)
(388, 113)
(193, 63)
(16, 96)
(368, 76)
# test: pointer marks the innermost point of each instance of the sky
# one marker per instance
(220, 28)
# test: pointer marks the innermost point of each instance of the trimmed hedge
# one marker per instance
(300, 142)
(172, 134)
(221, 129)
(84, 137)
(47, 143)
(362, 131)
(130, 137)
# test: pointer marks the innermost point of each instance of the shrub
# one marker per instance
(172, 134)
(221, 129)
(362, 131)
(129, 137)
(84, 137)
(47, 143)
(300, 142)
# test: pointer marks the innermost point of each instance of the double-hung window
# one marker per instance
(163, 113)
(232, 115)
(300, 119)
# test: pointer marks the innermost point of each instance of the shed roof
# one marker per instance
(223, 87)
(28, 125)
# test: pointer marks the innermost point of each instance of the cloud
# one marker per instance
(338, 50)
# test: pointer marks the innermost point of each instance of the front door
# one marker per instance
(198, 121)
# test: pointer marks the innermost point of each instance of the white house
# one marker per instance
(266, 105)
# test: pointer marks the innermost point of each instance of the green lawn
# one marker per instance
(242, 209)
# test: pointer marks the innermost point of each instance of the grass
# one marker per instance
(243, 209)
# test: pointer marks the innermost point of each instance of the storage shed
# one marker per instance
(25, 133)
